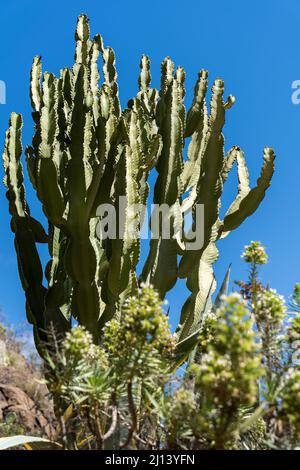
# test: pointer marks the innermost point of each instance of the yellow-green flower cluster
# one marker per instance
(77, 342)
(78, 345)
(270, 309)
(255, 253)
(142, 336)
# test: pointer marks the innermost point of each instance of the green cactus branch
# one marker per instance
(26, 229)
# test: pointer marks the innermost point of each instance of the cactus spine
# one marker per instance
(86, 151)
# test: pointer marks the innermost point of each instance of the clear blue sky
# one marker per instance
(253, 46)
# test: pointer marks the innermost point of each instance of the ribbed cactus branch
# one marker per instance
(248, 200)
(161, 265)
(26, 229)
(86, 151)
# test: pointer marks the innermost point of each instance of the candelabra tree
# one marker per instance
(87, 152)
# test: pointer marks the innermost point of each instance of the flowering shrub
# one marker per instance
(227, 375)
(239, 390)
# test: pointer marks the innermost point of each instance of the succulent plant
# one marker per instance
(87, 152)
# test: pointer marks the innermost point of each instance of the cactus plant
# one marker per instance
(87, 151)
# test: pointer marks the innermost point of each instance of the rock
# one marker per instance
(14, 400)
